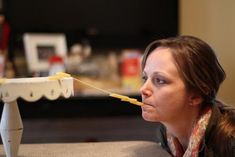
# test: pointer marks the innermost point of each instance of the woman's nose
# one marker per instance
(145, 89)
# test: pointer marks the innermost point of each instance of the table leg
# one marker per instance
(11, 128)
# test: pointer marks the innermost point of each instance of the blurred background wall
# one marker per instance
(210, 20)
(214, 22)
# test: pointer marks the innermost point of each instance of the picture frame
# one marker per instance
(39, 47)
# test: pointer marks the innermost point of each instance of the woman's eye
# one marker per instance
(159, 81)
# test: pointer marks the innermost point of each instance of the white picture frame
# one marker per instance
(39, 47)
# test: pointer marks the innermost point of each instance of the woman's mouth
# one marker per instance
(147, 104)
(147, 107)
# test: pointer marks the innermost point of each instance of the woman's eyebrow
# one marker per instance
(159, 73)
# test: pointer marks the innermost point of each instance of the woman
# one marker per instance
(181, 78)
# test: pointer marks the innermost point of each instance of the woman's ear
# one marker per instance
(195, 99)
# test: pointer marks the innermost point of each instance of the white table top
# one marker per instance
(32, 89)
(93, 149)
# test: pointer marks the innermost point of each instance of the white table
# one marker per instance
(30, 89)
(94, 149)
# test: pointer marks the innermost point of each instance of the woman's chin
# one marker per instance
(145, 117)
(148, 117)
(149, 113)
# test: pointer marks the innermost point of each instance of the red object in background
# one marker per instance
(130, 67)
(4, 38)
(56, 65)
(56, 59)
(130, 70)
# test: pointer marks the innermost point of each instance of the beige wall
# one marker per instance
(214, 22)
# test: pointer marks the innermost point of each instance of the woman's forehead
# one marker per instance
(161, 60)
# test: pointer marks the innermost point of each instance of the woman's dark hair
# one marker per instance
(196, 63)
(223, 138)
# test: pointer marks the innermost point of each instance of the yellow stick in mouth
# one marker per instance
(87, 84)
(60, 75)
(126, 98)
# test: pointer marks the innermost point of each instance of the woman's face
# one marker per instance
(163, 93)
